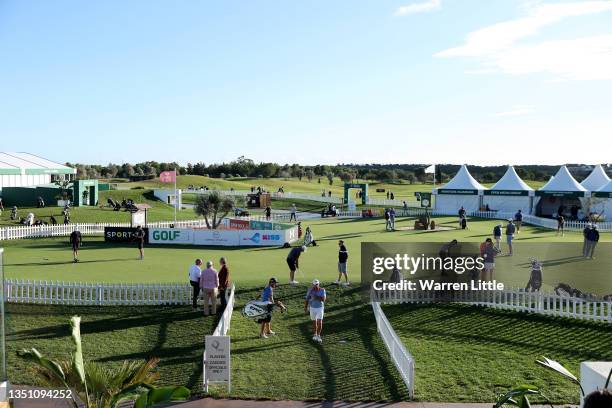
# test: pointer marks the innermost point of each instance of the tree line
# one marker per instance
(245, 167)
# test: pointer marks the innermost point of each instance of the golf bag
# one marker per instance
(257, 310)
(535, 277)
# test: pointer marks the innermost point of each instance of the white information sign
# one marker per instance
(217, 361)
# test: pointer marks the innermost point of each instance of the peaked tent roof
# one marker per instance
(463, 180)
(597, 179)
(26, 163)
(511, 181)
(606, 188)
(562, 181)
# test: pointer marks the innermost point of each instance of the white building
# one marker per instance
(462, 191)
(26, 170)
(510, 194)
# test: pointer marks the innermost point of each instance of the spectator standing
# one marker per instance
(195, 273)
(489, 253)
(209, 282)
(510, 230)
(315, 300)
(461, 213)
(224, 282)
(392, 219)
(592, 240)
(139, 237)
(293, 213)
(497, 235)
(518, 220)
(342, 262)
(387, 219)
(1, 205)
(268, 213)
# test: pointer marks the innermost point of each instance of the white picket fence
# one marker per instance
(570, 225)
(402, 359)
(226, 318)
(60, 230)
(514, 299)
(98, 294)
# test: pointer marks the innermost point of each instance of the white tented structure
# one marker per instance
(596, 180)
(26, 170)
(510, 194)
(561, 192)
(462, 191)
(601, 202)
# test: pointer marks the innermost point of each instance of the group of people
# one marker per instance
(390, 195)
(211, 283)
(590, 236)
(389, 219)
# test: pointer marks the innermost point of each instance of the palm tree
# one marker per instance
(213, 207)
(101, 386)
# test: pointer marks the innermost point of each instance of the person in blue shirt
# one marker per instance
(518, 220)
(268, 296)
(315, 300)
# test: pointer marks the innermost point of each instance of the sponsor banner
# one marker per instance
(559, 194)
(457, 192)
(171, 236)
(261, 225)
(262, 238)
(239, 224)
(601, 194)
(506, 193)
(122, 234)
(217, 237)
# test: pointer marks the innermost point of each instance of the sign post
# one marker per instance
(217, 361)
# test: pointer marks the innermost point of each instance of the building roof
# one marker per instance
(26, 163)
(563, 181)
(597, 179)
(511, 181)
(463, 180)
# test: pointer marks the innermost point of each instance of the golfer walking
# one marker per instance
(209, 282)
(342, 262)
(195, 273)
(315, 300)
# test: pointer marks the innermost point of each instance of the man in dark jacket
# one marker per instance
(76, 240)
(592, 240)
(224, 282)
(585, 234)
(293, 262)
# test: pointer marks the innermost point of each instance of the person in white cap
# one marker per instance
(315, 300)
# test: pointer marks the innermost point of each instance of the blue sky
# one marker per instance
(428, 81)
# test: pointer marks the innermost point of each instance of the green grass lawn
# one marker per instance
(110, 335)
(350, 365)
(50, 258)
(401, 189)
(467, 353)
(159, 211)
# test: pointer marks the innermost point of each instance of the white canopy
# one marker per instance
(511, 181)
(596, 180)
(563, 181)
(606, 188)
(463, 180)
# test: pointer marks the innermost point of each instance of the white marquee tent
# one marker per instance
(601, 201)
(510, 194)
(562, 190)
(462, 191)
(596, 180)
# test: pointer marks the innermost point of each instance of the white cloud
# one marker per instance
(586, 58)
(519, 110)
(414, 8)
